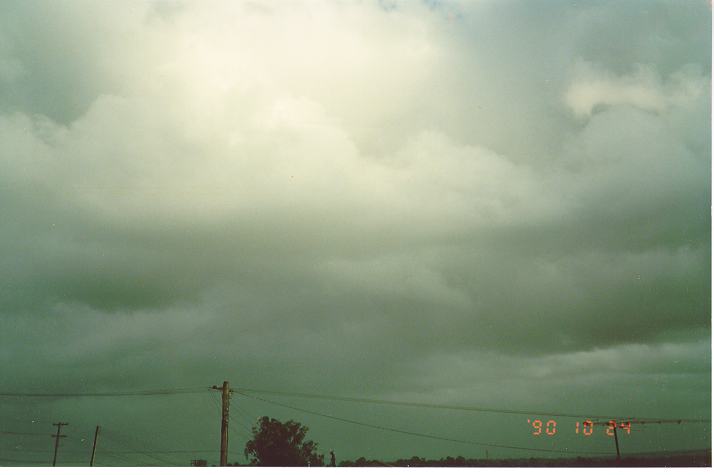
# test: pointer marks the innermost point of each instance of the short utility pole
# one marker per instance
(225, 403)
(94, 447)
(612, 424)
(57, 439)
(617, 443)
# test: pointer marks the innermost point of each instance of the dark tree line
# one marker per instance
(284, 444)
(278, 444)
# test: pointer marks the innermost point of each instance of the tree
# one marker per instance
(278, 444)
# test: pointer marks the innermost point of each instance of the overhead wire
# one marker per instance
(28, 462)
(147, 392)
(126, 452)
(127, 462)
(251, 393)
(246, 425)
(113, 436)
(35, 434)
(216, 405)
(202, 389)
(419, 434)
(43, 462)
(245, 433)
(121, 454)
(454, 407)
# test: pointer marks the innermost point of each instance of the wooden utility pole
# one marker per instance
(627, 424)
(612, 424)
(225, 403)
(94, 447)
(57, 439)
(617, 444)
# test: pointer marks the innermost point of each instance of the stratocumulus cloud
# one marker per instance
(445, 200)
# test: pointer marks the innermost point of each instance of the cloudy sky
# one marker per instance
(486, 203)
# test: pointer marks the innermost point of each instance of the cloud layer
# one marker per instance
(434, 199)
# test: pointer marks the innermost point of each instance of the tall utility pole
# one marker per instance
(57, 439)
(94, 447)
(225, 402)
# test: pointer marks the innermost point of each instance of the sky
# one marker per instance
(501, 204)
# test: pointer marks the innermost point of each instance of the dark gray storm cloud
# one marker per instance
(500, 203)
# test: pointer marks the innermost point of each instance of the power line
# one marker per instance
(31, 451)
(122, 459)
(419, 434)
(148, 392)
(178, 451)
(231, 427)
(240, 424)
(245, 419)
(117, 438)
(449, 407)
(41, 462)
(7, 432)
(202, 389)
(28, 462)
(125, 452)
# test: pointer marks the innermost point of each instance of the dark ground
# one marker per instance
(674, 459)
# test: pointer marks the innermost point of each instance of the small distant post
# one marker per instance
(617, 444)
(57, 439)
(94, 446)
